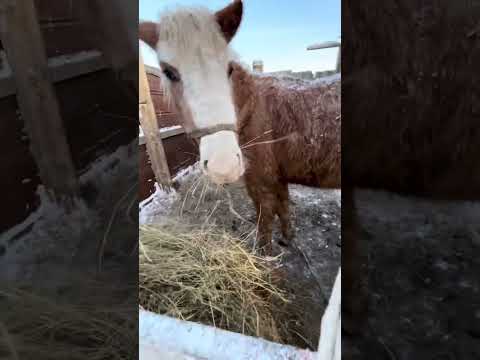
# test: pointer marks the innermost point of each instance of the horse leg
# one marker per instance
(283, 213)
(265, 225)
(265, 203)
(354, 302)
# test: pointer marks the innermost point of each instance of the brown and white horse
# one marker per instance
(257, 126)
(194, 55)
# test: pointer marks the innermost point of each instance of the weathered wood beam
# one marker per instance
(163, 134)
(115, 28)
(22, 39)
(148, 121)
(59, 70)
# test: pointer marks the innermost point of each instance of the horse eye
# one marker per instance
(230, 70)
(170, 72)
(171, 75)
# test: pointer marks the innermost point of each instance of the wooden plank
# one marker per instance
(149, 124)
(171, 132)
(115, 25)
(57, 38)
(59, 70)
(163, 134)
(23, 42)
(48, 10)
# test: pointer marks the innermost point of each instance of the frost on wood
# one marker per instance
(292, 82)
(169, 128)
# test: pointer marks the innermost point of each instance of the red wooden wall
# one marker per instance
(180, 150)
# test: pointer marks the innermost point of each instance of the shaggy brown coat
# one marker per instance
(288, 133)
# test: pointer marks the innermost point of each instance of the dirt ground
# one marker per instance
(308, 268)
(424, 279)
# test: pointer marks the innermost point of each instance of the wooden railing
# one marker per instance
(149, 124)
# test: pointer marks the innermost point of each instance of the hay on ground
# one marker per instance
(207, 276)
(41, 326)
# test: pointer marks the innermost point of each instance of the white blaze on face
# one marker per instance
(201, 56)
(221, 158)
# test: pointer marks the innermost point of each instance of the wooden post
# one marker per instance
(148, 121)
(22, 39)
(114, 25)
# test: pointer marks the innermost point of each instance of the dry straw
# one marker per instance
(41, 327)
(208, 276)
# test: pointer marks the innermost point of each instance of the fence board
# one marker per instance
(22, 39)
(149, 124)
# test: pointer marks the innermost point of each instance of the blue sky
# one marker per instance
(275, 31)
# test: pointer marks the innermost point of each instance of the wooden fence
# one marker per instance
(53, 126)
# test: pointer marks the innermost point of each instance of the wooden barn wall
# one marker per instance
(98, 117)
(180, 150)
(165, 115)
(97, 122)
(63, 32)
(181, 153)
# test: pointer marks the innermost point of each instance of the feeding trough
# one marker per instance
(165, 337)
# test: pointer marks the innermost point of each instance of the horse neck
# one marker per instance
(244, 100)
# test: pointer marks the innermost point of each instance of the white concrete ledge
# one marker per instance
(162, 333)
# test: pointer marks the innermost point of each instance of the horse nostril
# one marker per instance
(205, 163)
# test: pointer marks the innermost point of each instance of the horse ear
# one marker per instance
(148, 32)
(229, 19)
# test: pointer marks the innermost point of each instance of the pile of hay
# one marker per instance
(208, 276)
(40, 326)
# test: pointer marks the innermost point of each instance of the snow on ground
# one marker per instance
(52, 232)
(159, 204)
(104, 168)
(329, 79)
(298, 83)
(156, 206)
(33, 233)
